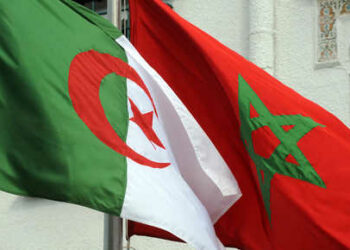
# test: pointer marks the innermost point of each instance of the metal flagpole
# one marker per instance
(113, 233)
(113, 12)
(113, 226)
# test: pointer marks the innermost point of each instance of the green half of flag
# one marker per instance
(46, 149)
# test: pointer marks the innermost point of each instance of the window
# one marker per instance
(124, 18)
(100, 6)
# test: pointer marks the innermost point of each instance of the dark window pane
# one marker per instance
(100, 6)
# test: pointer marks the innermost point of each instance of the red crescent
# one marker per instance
(86, 72)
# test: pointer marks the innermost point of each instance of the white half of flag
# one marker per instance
(197, 188)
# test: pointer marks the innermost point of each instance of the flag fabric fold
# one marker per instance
(290, 156)
(86, 120)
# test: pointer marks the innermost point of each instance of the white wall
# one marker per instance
(40, 224)
(33, 224)
(226, 20)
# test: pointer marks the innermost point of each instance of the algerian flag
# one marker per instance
(85, 120)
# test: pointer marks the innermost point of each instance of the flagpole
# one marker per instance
(113, 12)
(113, 226)
(113, 233)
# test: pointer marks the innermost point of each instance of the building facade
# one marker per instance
(303, 43)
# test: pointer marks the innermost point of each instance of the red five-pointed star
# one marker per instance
(145, 121)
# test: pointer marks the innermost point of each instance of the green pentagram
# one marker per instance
(276, 163)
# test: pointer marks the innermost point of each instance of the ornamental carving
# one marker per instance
(329, 11)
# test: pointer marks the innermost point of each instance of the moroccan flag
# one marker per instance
(84, 119)
(291, 158)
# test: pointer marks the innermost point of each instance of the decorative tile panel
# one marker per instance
(345, 7)
(329, 11)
